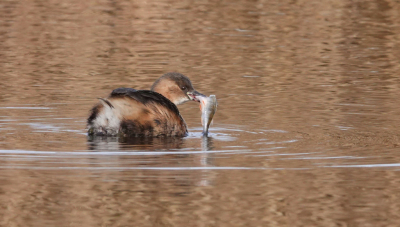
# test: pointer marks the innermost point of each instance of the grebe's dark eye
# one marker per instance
(183, 88)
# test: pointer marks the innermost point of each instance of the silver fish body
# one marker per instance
(208, 108)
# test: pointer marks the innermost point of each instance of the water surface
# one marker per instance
(306, 132)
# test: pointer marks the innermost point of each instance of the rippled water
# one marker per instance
(306, 132)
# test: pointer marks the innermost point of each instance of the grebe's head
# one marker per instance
(177, 88)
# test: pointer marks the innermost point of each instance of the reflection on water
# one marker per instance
(99, 143)
(306, 132)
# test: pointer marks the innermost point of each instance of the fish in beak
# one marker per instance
(208, 107)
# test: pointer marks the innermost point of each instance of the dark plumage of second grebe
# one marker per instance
(133, 113)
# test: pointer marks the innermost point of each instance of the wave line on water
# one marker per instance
(365, 166)
(26, 108)
(118, 153)
(148, 168)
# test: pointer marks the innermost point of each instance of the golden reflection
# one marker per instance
(306, 132)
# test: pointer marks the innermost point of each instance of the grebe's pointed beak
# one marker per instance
(195, 95)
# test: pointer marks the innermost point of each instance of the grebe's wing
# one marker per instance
(136, 112)
(144, 96)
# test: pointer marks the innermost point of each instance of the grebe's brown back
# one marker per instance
(130, 112)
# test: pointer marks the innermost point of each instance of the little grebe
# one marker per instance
(133, 113)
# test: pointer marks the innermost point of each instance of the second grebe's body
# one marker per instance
(132, 113)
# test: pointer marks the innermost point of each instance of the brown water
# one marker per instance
(306, 132)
